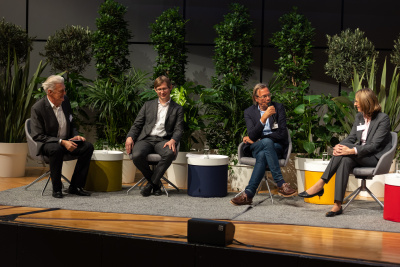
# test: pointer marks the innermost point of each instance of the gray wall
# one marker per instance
(378, 19)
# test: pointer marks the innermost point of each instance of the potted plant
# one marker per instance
(117, 102)
(188, 96)
(16, 100)
(317, 131)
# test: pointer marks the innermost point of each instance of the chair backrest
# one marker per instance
(386, 159)
(32, 145)
(242, 159)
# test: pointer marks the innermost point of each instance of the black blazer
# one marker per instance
(255, 128)
(379, 139)
(44, 124)
(147, 117)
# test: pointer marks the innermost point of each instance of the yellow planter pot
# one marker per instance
(313, 172)
(105, 171)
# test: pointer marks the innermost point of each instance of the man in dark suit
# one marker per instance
(157, 128)
(53, 130)
(267, 141)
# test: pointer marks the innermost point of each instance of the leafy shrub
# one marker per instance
(233, 46)
(69, 50)
(395, 55)
(13, 37)
(168, 38)
(293, 42)
(347, 51)
(111, 40)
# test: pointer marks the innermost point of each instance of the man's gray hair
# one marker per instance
(51, 82)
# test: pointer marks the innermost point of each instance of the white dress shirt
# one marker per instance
(159, 127)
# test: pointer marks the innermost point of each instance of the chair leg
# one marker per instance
(47, 182)
(137, 184)
(269, 190)
(363, 187)
(374, 197)
(38, 179)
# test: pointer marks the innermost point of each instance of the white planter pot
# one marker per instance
(177, 173)
(300, 168)
(13, 159)
(128, 170)
(68, 168)
(239, 176)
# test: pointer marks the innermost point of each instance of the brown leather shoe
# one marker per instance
(286, 191)
(241, 199)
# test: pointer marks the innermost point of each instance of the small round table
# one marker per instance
(105, 171)
(207, 175)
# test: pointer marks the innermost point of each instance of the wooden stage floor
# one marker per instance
(366, 246)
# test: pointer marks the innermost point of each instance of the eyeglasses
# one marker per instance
(264, 96)
(159, 90)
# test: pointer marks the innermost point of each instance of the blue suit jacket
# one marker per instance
(255, 128)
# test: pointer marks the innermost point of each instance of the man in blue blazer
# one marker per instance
(53, 130)
(267, 141)
(157, 128)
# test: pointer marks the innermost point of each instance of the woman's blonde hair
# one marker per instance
(368, 102)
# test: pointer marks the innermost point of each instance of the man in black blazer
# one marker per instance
(53, 130)
(157, 128)
(267, 141)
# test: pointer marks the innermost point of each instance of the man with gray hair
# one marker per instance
(267, 142)
(53, 130)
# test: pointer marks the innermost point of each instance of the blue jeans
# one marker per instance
(266, 153)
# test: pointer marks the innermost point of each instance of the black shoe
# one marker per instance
(304, 194)
(157, 190)
(78, 191)
(334, 213)
(146, 191)
(57, 194)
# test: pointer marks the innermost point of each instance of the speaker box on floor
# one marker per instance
(209, 232)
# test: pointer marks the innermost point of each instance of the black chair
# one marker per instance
(153, 160)
(32, 148)
(368, 173)
(252, 161)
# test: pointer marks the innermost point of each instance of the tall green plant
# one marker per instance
(16, 99)
(395, 55)
(168, 38)
(347, 51)
(188, 96)
(225, 106)
(111, 40)
(117, 102)
(15, 38)
(294, 46)
(69, 50)
(233, 46)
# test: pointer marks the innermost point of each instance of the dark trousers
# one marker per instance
(343, 166)
(146, 146)
(56, 154)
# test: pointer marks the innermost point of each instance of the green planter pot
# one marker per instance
(105, 171)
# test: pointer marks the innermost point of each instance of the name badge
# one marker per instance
(275, 126)
(361, 127)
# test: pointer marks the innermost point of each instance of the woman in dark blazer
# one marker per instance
(368, 140)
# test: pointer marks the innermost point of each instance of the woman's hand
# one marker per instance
(342, 150)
